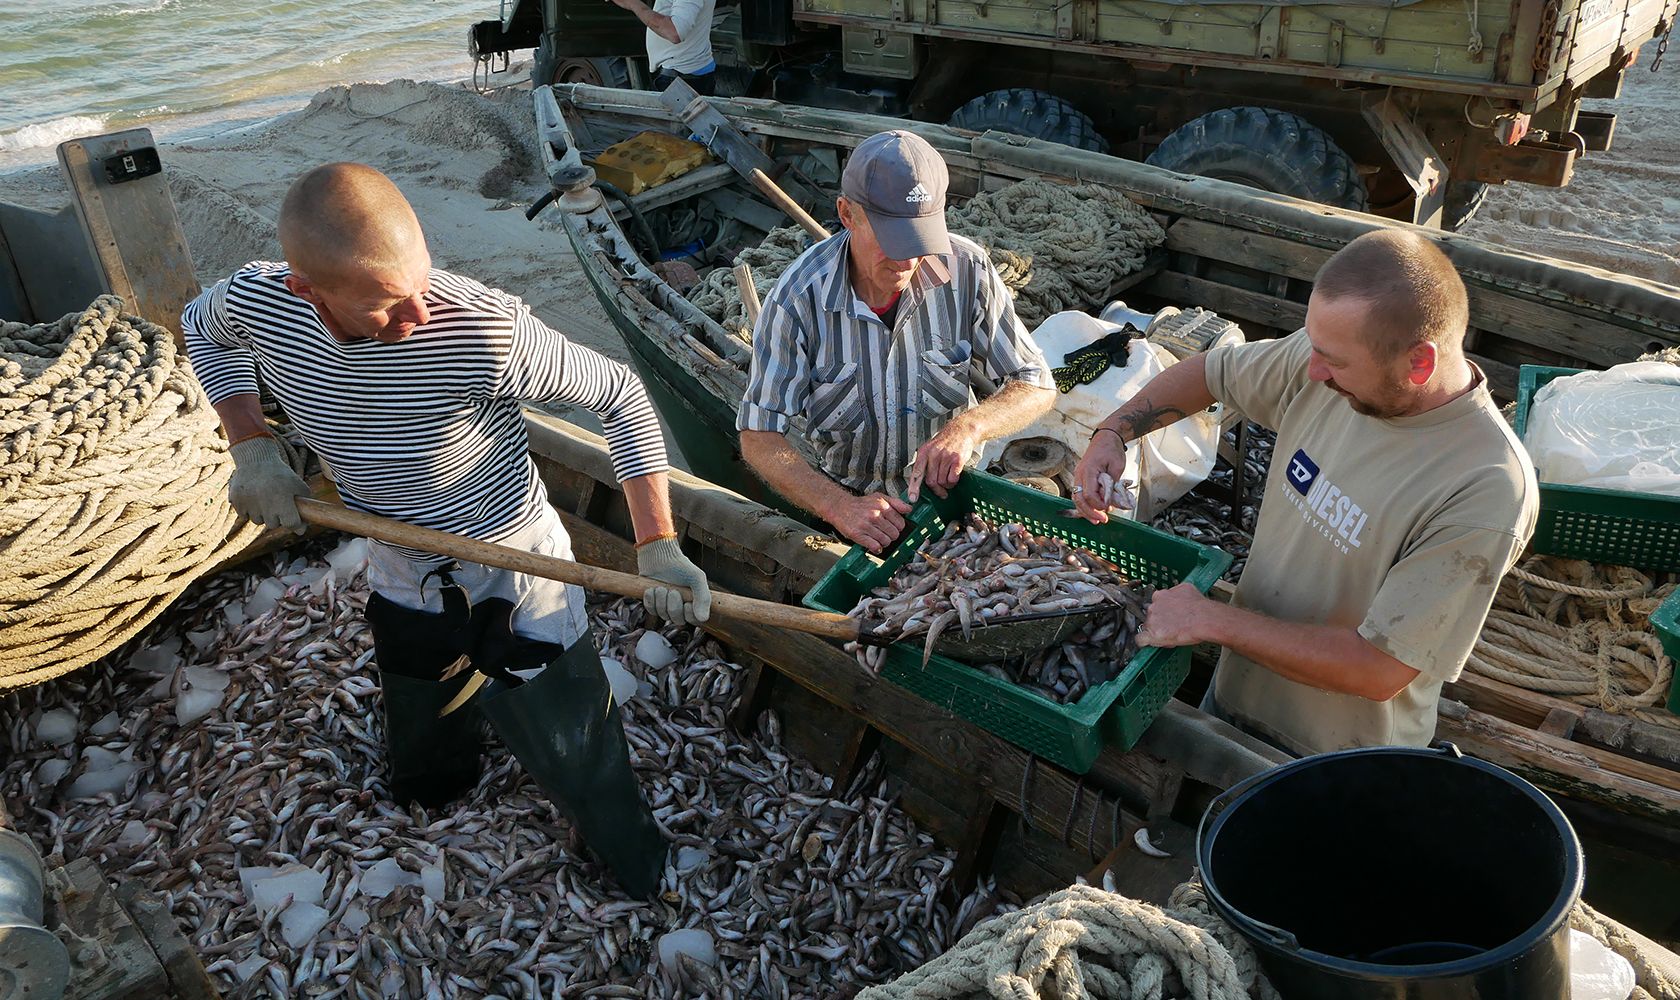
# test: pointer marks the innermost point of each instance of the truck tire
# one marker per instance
(1464, 200)
(1032, 113)
(602, 71)
(1271, 150)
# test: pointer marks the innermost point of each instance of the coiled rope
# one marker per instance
(1580, 631)
(1083, 943)
(113, 483)
(1056, 246)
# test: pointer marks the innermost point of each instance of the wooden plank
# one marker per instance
(1557, 765)
(132, 227)
(1613, 732)
(1235, 303)
(187, 978)
(87, 904)
(1153, 264)
(1285, 316)
(1545, 325)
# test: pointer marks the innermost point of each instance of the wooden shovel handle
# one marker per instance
(329, 515)
(776, 194)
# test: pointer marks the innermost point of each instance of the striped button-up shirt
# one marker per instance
(870, 394)
(427, 430)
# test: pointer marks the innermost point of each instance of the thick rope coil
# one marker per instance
(113, 483)
(1582, 632)
(1056, 246)
(1087, 944)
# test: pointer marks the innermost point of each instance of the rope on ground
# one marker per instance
(1057, 246)
(1580, 631)
(113, 478)
(1084, 943)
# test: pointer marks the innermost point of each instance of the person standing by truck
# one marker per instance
(679, 41)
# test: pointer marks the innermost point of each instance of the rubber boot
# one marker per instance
(429, 760)
(564, 726)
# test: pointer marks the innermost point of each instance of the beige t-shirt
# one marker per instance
(1399, 527)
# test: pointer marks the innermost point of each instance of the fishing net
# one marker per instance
(112, 482)
(1057, 246)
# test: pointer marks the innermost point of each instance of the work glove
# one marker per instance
(661, 559)
(263, 484)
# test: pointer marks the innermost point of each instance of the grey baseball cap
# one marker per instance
(899, 181)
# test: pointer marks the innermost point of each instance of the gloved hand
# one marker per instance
(263, 485)
(663, 560)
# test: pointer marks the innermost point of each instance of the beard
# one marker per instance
(1393, 404)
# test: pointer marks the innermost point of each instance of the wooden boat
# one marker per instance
(1026, 823)
(1246, 254)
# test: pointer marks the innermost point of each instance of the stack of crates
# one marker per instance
(1608, 526)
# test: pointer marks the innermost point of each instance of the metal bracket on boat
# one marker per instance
(33, 961)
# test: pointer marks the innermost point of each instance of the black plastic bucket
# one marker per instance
(1396, 873)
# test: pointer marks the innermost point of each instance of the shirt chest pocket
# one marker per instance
(836, 403)
(943, 383)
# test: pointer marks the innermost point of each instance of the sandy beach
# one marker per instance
(1622, 211)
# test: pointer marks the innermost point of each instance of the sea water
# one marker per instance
(70, 68)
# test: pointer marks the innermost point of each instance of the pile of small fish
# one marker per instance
(1063, 673)
(980, 573)
(233, 765)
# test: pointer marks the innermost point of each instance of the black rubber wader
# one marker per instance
(562, 725)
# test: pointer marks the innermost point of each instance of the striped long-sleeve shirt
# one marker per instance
(427, 430)
(871, 393)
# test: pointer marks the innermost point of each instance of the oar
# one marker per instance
(783, 201)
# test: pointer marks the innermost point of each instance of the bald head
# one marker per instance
(343, 221)
(1411, 291)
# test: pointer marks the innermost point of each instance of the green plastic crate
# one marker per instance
(1665, 621)
(1606, 526)
(1113, 713)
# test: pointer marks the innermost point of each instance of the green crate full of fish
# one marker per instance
(1114, 712)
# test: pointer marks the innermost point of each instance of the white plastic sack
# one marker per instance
(1616, 430)
(1166, 464)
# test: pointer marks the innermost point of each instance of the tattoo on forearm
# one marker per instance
(1142, 416)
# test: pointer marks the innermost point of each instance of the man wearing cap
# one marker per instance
(884, 339)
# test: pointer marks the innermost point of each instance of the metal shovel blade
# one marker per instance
(1017, 635)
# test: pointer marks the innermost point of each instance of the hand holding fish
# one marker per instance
(940, 460)
(1098, 483)
(1179, 616)
(874, 520)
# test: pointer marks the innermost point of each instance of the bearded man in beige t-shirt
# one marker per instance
(1397, 499)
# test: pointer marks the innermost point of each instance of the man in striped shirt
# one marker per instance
(880, 340)
(407, 381)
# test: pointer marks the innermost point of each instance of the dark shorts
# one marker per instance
(705, 84)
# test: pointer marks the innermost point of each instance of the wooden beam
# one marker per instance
(1557, 765)
(1286, 316)
(1543, 324)
(1657, 745)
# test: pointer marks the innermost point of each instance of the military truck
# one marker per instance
(1409, 109)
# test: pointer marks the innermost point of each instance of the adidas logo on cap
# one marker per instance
(918, 194)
